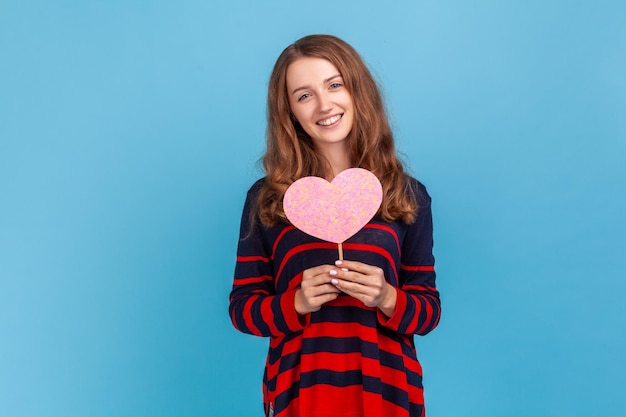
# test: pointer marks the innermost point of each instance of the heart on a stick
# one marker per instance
(333, 211)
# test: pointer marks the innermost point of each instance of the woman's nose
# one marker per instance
(325, 103)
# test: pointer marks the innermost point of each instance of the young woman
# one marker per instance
(341, 332)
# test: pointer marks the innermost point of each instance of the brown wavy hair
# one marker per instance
(290, 153)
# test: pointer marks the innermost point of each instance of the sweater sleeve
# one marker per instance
(255, 308)
(418, 307)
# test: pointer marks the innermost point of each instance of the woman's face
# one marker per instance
(319, 100)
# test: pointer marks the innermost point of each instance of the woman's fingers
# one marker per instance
(317, 277)
(315, 289)
(306, 303)
(358, 267)
(359, 273)
(364, 282)
(323, 283)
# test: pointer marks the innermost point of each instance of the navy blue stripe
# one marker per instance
(409, 314)
(300, 262)
(340, 345)
(395, 395)
(345, 314)
(277, 353)
(423, 312)
(372, 384)
(414, 379)
(391, 360)
(282, 400)
(336, 379)
(350, 378)
(240, 321)
(251, 269)
(279, 318)
(409, 350)
(257, 319)
(287, 362)
(416, 409)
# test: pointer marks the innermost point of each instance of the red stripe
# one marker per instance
(279, 238)
(247, 315)
(252, 280)
(374, 249)
(302, 248)
(292, 346)
(349, 302)
(393, 409)
(336, 362)
(391, 231)
(429, 317)
(418, 288)
(252, 259)
(329, 400)
(392, 376)
(429, 268)
(339, 330)
(414, 320)
(268, 315)
(437, 318)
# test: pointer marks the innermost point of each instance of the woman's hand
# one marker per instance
(315, 290)
(366, 283)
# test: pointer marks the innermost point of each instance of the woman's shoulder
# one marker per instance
(419, 191)
(256, 187)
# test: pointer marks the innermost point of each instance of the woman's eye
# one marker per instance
(303, 97)
(335, 85)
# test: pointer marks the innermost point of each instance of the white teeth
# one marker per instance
(330, 121)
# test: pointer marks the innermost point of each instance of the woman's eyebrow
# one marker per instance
(305, 87)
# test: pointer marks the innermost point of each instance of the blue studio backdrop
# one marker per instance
(130, 132)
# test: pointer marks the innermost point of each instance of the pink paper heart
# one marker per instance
(333, 211)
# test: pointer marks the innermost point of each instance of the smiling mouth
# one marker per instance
(330, 120)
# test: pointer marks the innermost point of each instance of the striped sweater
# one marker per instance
(345, 360)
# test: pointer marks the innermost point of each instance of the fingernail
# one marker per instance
(344, 269)
(338, 262)
(333, 272)
(334, 281)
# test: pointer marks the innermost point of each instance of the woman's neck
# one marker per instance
(338, 158)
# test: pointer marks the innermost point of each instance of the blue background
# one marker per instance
(130, 132)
